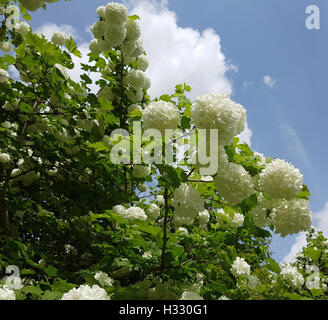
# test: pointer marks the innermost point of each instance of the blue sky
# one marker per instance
(287, 120)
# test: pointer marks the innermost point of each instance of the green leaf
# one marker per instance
(134, 17)
(72, 47)
(314, 254)
(273, 265)
(51, 271)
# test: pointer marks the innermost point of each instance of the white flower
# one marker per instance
(160, 200)
(5, 46)
(98, 29)
(7, 294)
(135, 213)
(59, 38)
(183, 231)
(291, 216)
(234, 183)
(161, 115)
(85, 292)
(141, 171)
(132, 48)
(217, 111)
(115, 35)
(153, 211)
(191, 295)
(135, 95)
(147, 255)
(104, 279)
(22, 28)
(204, 216)
(94, 46)
(115, 13)
(133, 30)
(240, 267)
(143, 63)
(187, 203)
(237, 220)
(280, 179)
(137, 79)
(4, 158)
(101, 11)
(4, 76)
(142, 187)
(223, 298)
(31, 5)
(253, 282)
(292, 276)
(119, 210)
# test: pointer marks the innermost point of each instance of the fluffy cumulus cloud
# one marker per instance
(178, 55)
(269, 81)
(320, 221)
(48, 30)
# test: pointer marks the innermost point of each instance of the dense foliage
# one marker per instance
(76, 224)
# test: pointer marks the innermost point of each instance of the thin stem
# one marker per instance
(166, 198)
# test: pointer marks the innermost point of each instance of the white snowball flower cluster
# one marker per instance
(187, 203)
(280, 179)
(32, 5)
(191, 295)
(223, 298)
(7, 294)
(142, 187)
(115, 13)
(153, 211)
(183, 231)
(160, 200)
(141, 171)
(135, 213)
(234, 183)
(291, 216)
(4, 158)
(104, 279)
(132, 30)
(85, 292)
(59, 38)
(143, 63)
(22, 28)
(204, 217)
(5, 46)
(291, 275)
(137, 79)
(4, 76)
(240, 267)
(237, 220)
(161, 115)
(119, 209)
(217, 111)
(112, 29)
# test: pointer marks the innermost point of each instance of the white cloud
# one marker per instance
(299, 243)
(322, 220)
(48, 30)
(294, 143)
(246, 135)
(269, 81)
(179, 55)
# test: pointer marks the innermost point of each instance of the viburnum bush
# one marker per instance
(78, 224)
